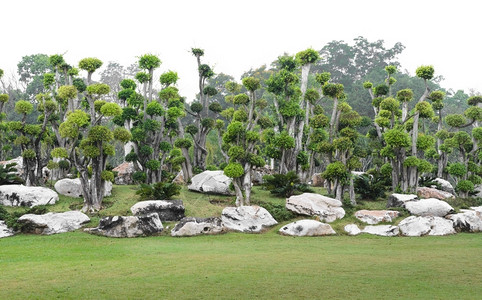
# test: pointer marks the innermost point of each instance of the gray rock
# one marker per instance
(311, 204)
(197, 226)
(352, 229)
(419, 226)
(307, 228)
(429, 207)
(179, 179)
(168, 210)
(381, 230)
(373, 217)
(468, 220)
(73, 187)
(124, 173)
(18, 166)
(426, 192)
(4, 230)
(51, 223)
(214, 182)
(445, 185)
(317, 180)
(20, 195)
(130, 226)
(399, 200)
(251, 219)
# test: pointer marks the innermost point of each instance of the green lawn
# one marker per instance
(234, 265)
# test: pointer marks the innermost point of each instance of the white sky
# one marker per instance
(238, 35)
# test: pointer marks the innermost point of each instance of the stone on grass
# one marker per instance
(197, 226)
(214, 182)
(130, 226)
(468, 220)
(19, 165)
(352, 229)
(317, 180)
(311, 204)
(168, 210)
(307, 228)
(399, 200)
(73, 187)
(20, 195)
(381, 230)
(445, 185)
(124, 173)
(426, 192)
(51, 223)
(419, 226)
(429, 207)
(373, 217)
(179, 179)
(4, 230)
(250, 219)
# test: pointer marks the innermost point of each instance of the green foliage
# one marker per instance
(474, 100)
(111, 109)
(66, 92)
(196, 107)
(436, 96)
(100, 134)
(90, 64)
(474, 113)
(386, 170)
(234, 170)
(397, 137)
(29, 154)
(128, 84)
(107, 176)
(4, 98)
(457, 169)
(59, 152)
(48, 80)
(153, 164)
(8, 176)
(183, 143)
(465, 186)
(215, 107)
(149, 62)
(381, 90)
(79, 85)
(405, 95)
(367, 85)
(370, 187)
(389, 104)
(139, 176)
(322, 78)
(285, 186)
(240, 115)
(251, 83)
(424, 109)
(142, 77)
(284, 140)
(158, 191)
(241, 99)
(425, 72)
(391, 69)
(210, 91)
(131, 156)
(205, 71)
(278, 211)
(154, 108)
(424, 166)
(121, 134)
(98, 89)
(335, 170)
(307, 56)
(333, 90)
(23, 107)
(236, 152)
(425, 142)
(311, 95)
(319, 121)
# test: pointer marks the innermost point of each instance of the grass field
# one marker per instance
(236, 266)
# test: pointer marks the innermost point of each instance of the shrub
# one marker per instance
(139, 176)
(285, 185)
(158, 191)
(370, 187)
(278, 211)
(8, 174)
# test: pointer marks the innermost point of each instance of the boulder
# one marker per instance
(20, 195)
(429, 207)
(130, 226)
(18, 166)
(197, 226)
(419, 226)
(352, 229)
(168, 210)
(251, 219)
(4, 230)
(51, 223)
(426, 192)
(259, 173)
(317, 180)
(373, 217)
(468, 220)
(124, 173)
(307, 228)
(381, 230)
(311, 204)
(73, 188)
(179, 179)
(214, 182)
(399, 200)
(445, 185)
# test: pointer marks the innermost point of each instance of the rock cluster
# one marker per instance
(214, 182)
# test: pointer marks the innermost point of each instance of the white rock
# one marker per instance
(373, 217)
(399, 200)
(19, 164)
(381, 230)
(311, 204)
(198, 226)
(168, 210)
(445, 185)
(419, 226)
(352, 229)
(307, 228)
(73, 187)
(130, 226)
(468, 220)
(4, 230)
(51, 223)
(247, 218)
(429, 207)
(20, 195)
(426, 192)
(211, 182)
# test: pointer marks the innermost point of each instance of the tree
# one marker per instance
(31, 70)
